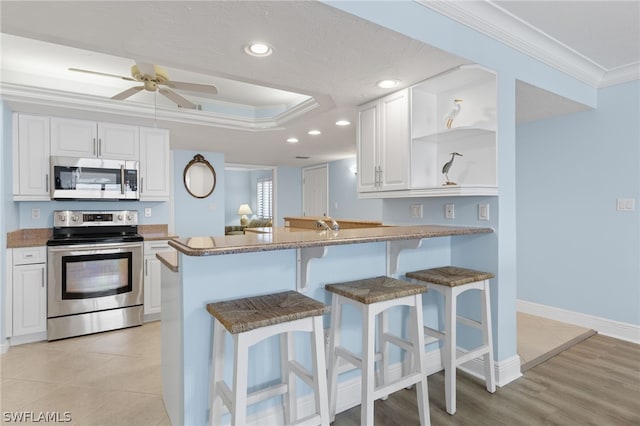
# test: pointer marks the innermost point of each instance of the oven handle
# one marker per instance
(122, 179)
(96, 247)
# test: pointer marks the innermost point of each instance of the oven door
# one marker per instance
(93, 277)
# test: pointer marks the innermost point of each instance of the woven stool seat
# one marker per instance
(246, 314)
(373, 290)
(450, 276)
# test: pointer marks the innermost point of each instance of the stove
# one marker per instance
(95, 272)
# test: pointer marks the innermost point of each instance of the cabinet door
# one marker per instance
(74, 138)
(152, 285)
(368, 147)
(29, 299)
(154, 164)
(31, 158)
(118, 141)
(395, 141)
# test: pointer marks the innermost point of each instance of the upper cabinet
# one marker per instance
(384, 144)
(30, 157)
(454, 112)
(87, 139)
(155, 167)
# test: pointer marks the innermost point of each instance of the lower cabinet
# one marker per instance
(29, 291)
(152, 270)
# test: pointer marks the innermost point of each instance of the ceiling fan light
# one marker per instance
(258, 49)
(343, 123)
(314, 132)
(292, 140)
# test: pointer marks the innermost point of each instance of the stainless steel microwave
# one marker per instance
(93, 179)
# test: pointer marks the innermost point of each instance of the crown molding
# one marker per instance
(36, 96)
(495, 22)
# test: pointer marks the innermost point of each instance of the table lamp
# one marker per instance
(244, 210)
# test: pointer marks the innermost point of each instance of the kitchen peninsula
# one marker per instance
(217, 268)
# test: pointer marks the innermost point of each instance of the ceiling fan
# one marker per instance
(155, 78)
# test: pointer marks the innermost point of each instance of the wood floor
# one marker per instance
(596, 382)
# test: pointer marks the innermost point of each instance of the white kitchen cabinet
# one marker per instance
(89, 139)
(154, 164)
(431, 142)
(152, 271)
(29, 291)
(384, 144)
(31, 178)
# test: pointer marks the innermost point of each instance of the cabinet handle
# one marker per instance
(46, 182)
(160, 247)
(99, 147)
(95, 147)
(122, 179)
(26, 256)
(141, 185)
(146, 267)
(42, 278)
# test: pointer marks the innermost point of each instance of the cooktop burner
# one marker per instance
(94, 227)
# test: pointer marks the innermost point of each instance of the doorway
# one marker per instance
(315, 190)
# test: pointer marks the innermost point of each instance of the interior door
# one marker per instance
(315, 191)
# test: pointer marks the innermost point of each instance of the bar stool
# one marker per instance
(452, 281)
(250, 320)
(372, 297)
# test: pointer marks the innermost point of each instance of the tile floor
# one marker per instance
(114, 378)
(102, 379)
(540, 338)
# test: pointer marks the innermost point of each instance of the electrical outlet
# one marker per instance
(147, 212)
(449, 211)
(483, 211)
(35, 213)
(626, 204)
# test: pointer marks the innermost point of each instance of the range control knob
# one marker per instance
(119, 217)
(129, 217)
(75, 218)
(62, 218)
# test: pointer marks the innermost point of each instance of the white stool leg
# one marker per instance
(286, 355)
(240, 371)
(489, 372)
(217, 373)
(334, 341)
(383, 368)
(320, 371)
(450, 364)
(422, 388)
(368, 366)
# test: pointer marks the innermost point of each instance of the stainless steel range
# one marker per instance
(95, 273)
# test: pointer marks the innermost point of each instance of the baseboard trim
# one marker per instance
(607, 327)
(28, 338)
(4, 348)
(506, 370)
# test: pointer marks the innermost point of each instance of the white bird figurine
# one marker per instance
(453, 113)
(447, 167)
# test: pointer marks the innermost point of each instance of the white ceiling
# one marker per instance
(319, 51)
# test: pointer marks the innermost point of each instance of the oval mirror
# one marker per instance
(199, 177)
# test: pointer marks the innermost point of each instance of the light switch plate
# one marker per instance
(483, 211)
(626, 204)
(147, 212)
(416, 211)
(35, 213)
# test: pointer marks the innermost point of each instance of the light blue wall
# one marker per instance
(288, 193)
(343, 194)
(237, 190)
(575, 251)
(198, 216)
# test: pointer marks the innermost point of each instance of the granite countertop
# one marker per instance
(33, 237)
(155, 232)
(169, 259)
(283, 239)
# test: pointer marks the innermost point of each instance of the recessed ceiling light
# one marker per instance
(314, 132)
(258, 49)
(388, 84)
(342, 123)
(292, 140)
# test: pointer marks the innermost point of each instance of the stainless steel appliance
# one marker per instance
(93, 179)
(95, 273)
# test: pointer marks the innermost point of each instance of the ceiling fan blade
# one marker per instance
(147, 69)
(181, 101)
(101, 73)
(192, 87)
(129, 92)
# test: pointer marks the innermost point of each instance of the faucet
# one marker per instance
(334, 224)
(322, 224)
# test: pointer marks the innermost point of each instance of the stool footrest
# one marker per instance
(468, 356)
(469, 322)
(300, 371)
(404, 344)
(252, 398)
(312, 420)
(397, 385)
(436, 334)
